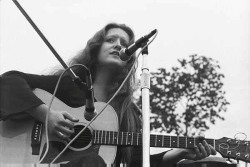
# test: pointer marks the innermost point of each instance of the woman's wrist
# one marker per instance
(39, 112)
(173, 156)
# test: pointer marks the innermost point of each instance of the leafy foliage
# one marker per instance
(188, 98)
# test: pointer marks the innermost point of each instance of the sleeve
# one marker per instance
(155, 159)
(16, 92)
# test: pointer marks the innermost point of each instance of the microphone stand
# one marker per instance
(76, 78)
(145, 86)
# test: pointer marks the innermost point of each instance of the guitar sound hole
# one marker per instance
(83, 139)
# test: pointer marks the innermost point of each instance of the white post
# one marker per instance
(145, 86)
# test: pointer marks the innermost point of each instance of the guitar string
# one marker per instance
(182, 140)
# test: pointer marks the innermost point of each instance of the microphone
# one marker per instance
(126, 53)
(89, 112)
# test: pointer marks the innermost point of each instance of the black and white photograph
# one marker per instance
(150, 83)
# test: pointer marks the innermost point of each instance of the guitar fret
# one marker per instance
(178, 144)
(132, 137)
(158, 141)
(127, 138)
(108, 136)
(166, 141)
(155, 140)
(186, 143)
(137, 139)
(105, 137)
(98, 136)
(170, 142)
(117, 138)
(174, 141)
(112, 137)
(122, 138)
(190, 142)
(162, 141)
(182, 142)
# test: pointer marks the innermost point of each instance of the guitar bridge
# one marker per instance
(36, 137)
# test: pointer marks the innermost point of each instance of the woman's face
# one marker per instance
(115, 39)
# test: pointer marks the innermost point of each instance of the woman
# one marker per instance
(101, 56)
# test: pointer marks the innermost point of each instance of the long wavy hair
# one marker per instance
(123, 102)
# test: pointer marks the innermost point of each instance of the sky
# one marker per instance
(219, 29)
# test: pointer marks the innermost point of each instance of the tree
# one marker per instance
(188, 98)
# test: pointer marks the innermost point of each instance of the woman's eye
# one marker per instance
(111, 40)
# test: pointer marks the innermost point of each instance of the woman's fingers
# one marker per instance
(64, 130)
(197, 153)
(202, 151)
(70, 117)
(213, 151)
(207, 147)
(61, 123)
(62, 136)
(67, 123)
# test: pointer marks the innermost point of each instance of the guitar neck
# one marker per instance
(135, 139)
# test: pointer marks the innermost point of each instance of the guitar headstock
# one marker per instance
(233, 148)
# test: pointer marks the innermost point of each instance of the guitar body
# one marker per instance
(15, 136)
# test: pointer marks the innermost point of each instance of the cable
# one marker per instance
(49, 107)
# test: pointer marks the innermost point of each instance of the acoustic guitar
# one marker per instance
(102, 137)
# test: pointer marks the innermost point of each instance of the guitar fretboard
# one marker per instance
(135, 139)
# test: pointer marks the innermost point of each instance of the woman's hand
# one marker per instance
(202, 150)
(61, 124)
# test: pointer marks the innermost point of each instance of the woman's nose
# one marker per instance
(118, 46)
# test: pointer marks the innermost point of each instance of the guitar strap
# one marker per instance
(36, 137)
